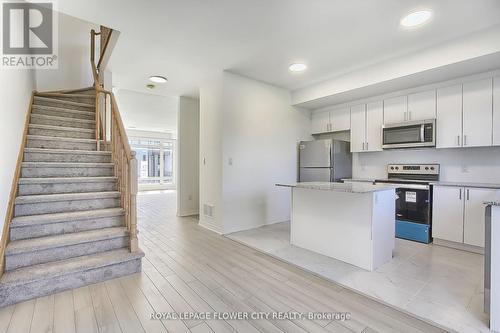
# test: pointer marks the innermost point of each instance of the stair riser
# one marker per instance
(65, 206)
(78, 99)
(58, 104)
(61, 133)
(46, 287)
(34, 189)
(88, 158)
(51, 229)
(67, 122)
(28, 172)
(61, 113)
(60, 253)
(50, 144)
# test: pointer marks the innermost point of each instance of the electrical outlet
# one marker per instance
(230, 161)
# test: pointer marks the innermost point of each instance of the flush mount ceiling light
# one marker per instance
(158, 79)
(416, 18)
(150, 86)
(297, 67)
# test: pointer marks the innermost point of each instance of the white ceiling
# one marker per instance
(188, 40)
(147, 112)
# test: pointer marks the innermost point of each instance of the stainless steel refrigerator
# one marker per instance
(324, 160)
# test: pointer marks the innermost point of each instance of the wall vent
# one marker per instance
(208, 210)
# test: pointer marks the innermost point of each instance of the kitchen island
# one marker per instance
(351, 222)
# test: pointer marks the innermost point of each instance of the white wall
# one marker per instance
(480, 165)
(249, 134)
(211, 98)
(74, 70)
(16, 87)
(147, 111)
(188, 157)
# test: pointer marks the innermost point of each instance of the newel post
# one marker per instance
(134, 243)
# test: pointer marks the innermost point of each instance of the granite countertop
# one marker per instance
(466, 184)
(339, 187)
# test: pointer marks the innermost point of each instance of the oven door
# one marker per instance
(413, 204)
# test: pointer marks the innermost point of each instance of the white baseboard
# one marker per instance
(458, 246)
(210, 226)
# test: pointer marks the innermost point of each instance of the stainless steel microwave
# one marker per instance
(410, 134)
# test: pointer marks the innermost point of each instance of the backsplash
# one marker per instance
(480, 165)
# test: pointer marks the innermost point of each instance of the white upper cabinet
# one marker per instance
(358, 128)
(320, 122)
(449, 117)
(496, 111)
(374, 121)
(395, 110)
(422, 105)
(477, 113)
(331, 121)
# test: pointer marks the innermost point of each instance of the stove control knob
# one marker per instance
(432, 168)
(426, 168)
(397, 168)
(392, 168)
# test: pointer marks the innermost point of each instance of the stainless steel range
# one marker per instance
(414, 199)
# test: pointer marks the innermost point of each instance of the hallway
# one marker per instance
(190, 269)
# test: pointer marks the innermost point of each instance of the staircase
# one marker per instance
(69, 224)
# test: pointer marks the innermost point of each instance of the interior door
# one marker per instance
(374, 122)
(315, 154)
(447, 213)
(474, 214)
(358, 128)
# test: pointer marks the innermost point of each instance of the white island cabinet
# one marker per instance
(352, 222)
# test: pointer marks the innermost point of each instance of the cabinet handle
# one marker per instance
(458, 140)
(409, 115)
(367, 146)
(465, 140)
(363, 146)
(467, 194)
(460, 195)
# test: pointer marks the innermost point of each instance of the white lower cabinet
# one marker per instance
(458, 213)
(448, 213)
(474, 214)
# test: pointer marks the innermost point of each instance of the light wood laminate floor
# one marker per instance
(190, 269)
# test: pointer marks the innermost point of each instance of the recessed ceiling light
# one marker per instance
(158, 79)
(297, 67)
(416, 18)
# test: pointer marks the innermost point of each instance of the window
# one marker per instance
(155, 159)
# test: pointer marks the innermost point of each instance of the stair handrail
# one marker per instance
(14, 190)
(123, 158)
